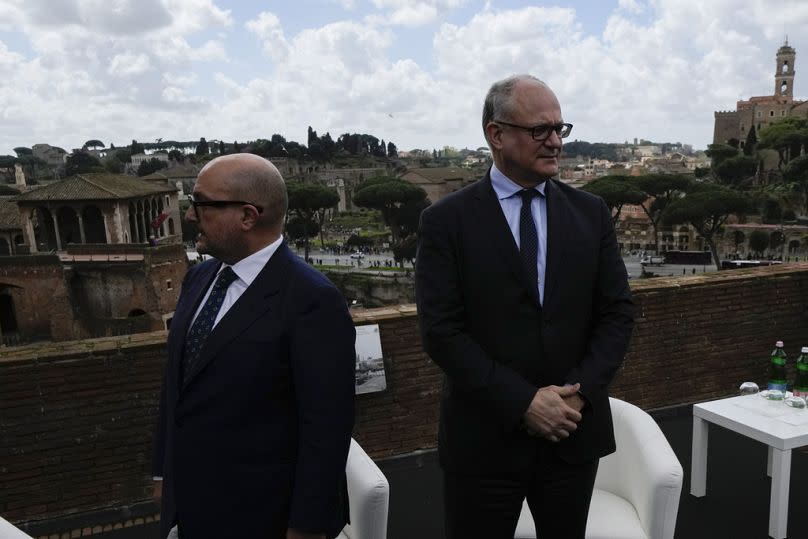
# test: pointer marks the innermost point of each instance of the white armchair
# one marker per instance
(637, 488)
(9, 531)
(368, 496)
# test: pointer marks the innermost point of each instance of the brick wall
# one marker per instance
(76, 418)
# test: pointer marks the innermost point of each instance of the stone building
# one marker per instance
(10, 227)
(98, 209)
(761, 111)
(80, 262)
(440, 181)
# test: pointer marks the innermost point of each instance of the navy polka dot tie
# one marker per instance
(203, 324)
(528, 239)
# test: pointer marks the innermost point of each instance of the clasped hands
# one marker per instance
(554, 412)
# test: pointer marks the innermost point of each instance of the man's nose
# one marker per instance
(554, 140)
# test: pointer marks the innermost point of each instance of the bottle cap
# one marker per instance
(779, 343)
(804, 350)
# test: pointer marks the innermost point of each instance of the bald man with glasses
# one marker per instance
(524, 303)
(256, 408)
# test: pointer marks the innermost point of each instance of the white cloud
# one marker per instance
(128, 65)
(658, 70)
(631, 6)
(414, 15)
(268, 28)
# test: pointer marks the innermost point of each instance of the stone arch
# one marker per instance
(784, 88)
(95, 230)
(68, 221)
(171, 231)
(784, 70)
(136, 312)
(44, 231)
(5, 248)
(140, 217)
(8, 316)
(793, 247)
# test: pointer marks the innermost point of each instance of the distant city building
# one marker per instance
(440, 181)
(139, 158)
(761, 111)
(52, 155)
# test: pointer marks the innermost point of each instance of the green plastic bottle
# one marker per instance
(777, 373)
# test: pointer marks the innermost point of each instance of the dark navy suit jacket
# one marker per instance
(481, 322)
(256, 438)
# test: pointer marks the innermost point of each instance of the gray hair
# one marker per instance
(498, 103)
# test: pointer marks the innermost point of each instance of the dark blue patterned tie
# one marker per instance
(528, 239)
(203, 324)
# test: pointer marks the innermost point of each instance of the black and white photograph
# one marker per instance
(370, 376)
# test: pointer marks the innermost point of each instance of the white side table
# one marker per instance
(780, 427)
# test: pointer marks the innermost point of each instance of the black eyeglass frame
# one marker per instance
(563, 130)
(220, 204)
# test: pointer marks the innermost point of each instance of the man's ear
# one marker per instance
(493, 132)
(249, 217)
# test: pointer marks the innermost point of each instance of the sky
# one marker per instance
(414, 72)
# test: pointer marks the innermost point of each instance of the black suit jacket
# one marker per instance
(482, 324)
(257, 437)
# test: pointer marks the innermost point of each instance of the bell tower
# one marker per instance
(784, 76)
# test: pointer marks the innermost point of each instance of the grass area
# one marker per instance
(357, 219)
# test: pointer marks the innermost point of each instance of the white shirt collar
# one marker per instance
(248, 268)
(505, 187)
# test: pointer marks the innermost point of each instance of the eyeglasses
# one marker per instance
(220, 204)
(542, 132)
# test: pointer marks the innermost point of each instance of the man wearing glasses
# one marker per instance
(256, 407)
(524, 304)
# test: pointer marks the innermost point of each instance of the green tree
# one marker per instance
(150, 165)
(720, 152)
(82, 163)
(300, 228)
(787, 136)
(616, 191)
(400, 204)
(202, 147)
(751, 142)
(661, 190)
(176, 156)
(221, 148)
(758, 242)
(33, 167)
(392, 151)
(136, 148)
(706, 207)
(93, 144)
(738, 171)
(796, 175)
(738, 238)
(389, 196)
(309, 202)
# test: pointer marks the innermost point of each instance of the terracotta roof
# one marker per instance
(96, 187)
(9, 215)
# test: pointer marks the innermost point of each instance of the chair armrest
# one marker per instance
(368, 496)
(9, 531)
(644, 470)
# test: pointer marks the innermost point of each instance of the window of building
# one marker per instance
(785, 67)
(784, 88)
(759, 114)
(782, 113)
(771, 113)
(169, 285)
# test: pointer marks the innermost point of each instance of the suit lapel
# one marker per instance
(184, 313)
(557, 238)
(253, 303)
(489, 211)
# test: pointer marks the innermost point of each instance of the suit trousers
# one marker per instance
(487, 506)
